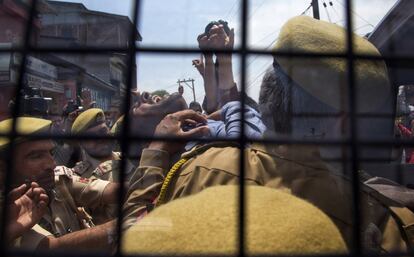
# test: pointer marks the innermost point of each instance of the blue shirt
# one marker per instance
(230, 126)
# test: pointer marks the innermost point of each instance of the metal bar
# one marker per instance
(275, 140)
(242, 138)
(172, 50)
(125, 136)
(12, 135)
(63, 253)
(400, 60)
(126, 127)
(353, 105)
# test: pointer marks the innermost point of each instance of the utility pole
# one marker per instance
(185, 81)
(315, 8)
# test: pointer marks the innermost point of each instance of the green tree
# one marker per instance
(160, 92)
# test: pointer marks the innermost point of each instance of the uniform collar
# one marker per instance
(95, 162)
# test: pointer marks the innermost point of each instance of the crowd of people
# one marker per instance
(405, 120)
(181, 195)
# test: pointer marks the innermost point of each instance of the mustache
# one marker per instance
(46, 180)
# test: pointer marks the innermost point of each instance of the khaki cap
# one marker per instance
(207, 223)
(116, 128)
(326, 78)
(24, 126)
(88, 119)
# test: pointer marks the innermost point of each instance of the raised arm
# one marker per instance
(145, 184)
(209, 75)
(226, 85)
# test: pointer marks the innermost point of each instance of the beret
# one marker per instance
(88, 119)
(116, 128)
(326, 77)
(24, 126)
(207, 223)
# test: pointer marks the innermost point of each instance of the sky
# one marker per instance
(177, 23)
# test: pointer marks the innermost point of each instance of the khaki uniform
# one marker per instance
(107, 170)
(298, 170)
(70, 191)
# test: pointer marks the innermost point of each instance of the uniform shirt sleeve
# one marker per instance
(145, 185)
(32, 238)
(87, 191)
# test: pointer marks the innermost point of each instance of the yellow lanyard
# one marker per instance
(168, 179)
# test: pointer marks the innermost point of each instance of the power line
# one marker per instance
(257, 8)
(253, 13)
(263, 68)
(237, 11)
(251, 83)
(257, 56)
(356, 14)
(307, 9)
(268, 35)
(170, 86)
(363, 26)
(333, 8)
(326, 10)
(267, 47)
(231, 9)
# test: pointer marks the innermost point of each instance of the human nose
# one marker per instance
(104, 130)
(50, 162)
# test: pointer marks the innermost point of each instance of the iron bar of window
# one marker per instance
(381, 141)
(244, 51)
(242, 138)
(62, 253)
(353, 105)
(15, 112)
(126, 125)
(189, 50)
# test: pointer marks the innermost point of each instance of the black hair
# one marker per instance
(195, 106)
(281, 99)
(274, 92)
(219, 22)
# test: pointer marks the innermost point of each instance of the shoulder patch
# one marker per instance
(103, 168)
(83, 180)
(63, 171)
(81, 167)
(117, 155)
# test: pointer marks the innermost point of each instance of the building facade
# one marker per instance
(74, 25)
(62, 77)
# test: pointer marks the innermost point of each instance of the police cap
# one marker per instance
(24, 126)
(88, 119)
(207, 223)
(326, 77)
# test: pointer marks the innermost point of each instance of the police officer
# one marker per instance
(63, 224)
(98, 158)
(291, 86)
